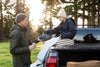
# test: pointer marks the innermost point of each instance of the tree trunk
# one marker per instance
(83, 13)
(76, 9)
(88, 20)
(98, 13)
(51, 25)
(20, 6)
(16, 7)
(93, 15)
(23, 5)
(2, 33)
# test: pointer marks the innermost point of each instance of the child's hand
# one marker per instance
(60, 37)
(40, 39)
(44, 33)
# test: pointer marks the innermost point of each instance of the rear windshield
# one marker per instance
(91, 35)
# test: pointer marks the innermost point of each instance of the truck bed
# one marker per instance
(78, 53)
(86, 47)
(78, 46)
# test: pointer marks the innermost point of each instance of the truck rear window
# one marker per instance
(87, 35)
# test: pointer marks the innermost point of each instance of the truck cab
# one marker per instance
(86, 47)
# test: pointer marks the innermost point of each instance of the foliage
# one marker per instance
(49, 12)
(8, 11)
(84, 9)
(40, 30)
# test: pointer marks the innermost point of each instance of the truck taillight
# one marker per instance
(51, 62)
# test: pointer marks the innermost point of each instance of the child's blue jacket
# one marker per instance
(66, 29)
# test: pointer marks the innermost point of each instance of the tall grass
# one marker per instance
(6, 57)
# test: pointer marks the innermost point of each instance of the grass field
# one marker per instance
(6, 57)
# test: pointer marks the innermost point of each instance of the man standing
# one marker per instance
(19, 45)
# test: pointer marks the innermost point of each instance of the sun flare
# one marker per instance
(36, 9)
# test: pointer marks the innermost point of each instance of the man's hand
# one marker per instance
(33, 46)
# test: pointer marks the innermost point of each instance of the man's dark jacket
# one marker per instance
(19, 47)
(66, 29)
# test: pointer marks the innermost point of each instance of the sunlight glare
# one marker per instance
(36, 8)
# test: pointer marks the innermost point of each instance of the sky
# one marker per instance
(36, 8)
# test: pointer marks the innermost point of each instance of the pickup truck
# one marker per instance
(86, 47)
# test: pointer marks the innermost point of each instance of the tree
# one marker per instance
(5, 7)
(20, 6)
(1, 22)
(93, 12)
(8, 24)
(49, 11)
(90, 10)
(8, 12)
(88, 6)
(83, 12)
(99, 13)
(40, 30)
